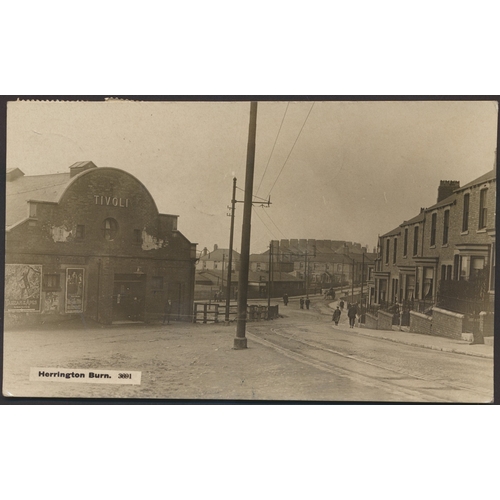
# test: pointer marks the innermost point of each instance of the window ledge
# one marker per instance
(463, 233)
(444, 245)
(432, 246)
(479, 231)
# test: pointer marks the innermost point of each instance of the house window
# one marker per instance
(492, 276)
(80, 232)
(443, 273)
(32, 210)
(465, 218)
(483, 211)
(51, 282)
(446, 226)
(110, 228)
(387, 251)
(428, 282)
(395, 251)
(157, 282)
(415, 240)
(433, 229)
(477, 265)
(448, 272)
(137, 236)
(405, 243)
(456, 267)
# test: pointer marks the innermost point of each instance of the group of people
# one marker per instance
(352, 312)
(307, 302)
(352, 309)
(302, 302)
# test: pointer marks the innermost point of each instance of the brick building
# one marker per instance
(444, 256)
(91, 242)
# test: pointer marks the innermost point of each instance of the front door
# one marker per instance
(128, 298)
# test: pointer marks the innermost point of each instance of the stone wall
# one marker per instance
(384, 320)
(446, 323)
(371, 321)
(420, 323)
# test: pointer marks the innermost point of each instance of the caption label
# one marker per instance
(85, 376)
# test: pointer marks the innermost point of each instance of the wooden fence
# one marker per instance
(213, 312)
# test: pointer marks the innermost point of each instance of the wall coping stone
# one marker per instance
(420, 315)
(384, 313)
(449, 313)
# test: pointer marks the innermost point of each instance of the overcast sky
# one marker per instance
(349, 170)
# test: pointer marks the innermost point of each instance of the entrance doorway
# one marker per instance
(129, 292)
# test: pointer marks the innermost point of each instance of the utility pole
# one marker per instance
(270, 276)
(352, 281)
(240, 342)
(230, 264)
(362, 275)
(306, 276)
(222, 274)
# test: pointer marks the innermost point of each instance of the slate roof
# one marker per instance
(443, 203)
(33, 187)
(480, 180)
(393, 232)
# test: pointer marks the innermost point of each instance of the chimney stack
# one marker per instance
(446, 189)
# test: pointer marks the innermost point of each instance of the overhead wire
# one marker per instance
(270, 232)
(296, 139)
(274, 145)
(265, 211)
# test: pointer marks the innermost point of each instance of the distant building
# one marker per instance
(218, 259)
(328, 262)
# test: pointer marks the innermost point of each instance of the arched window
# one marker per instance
(110, 228)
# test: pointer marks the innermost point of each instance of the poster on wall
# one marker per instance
(74, 290)
(23, 287)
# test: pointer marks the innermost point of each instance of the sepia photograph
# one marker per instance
(263, 250)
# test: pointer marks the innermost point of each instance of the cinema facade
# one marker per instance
(91, 243)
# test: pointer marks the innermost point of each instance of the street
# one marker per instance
(301, 356)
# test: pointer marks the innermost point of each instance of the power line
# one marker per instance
(275, 224)
(275, 141)
(270, 232)
(292, 147)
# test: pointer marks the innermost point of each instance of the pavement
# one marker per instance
(421, 340)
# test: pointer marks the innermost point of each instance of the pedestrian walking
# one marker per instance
(301, 302)
(351, 314)
(341, 304)
(166, 312)
(336, 315)
(307, 303)
(285, 299)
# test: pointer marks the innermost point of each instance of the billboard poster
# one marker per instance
(23, 286)
(74, 290)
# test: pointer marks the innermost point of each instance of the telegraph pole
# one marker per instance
(352, 282)
(230, 264)
(305, 273)
(240, 342)
(362, 275)
(270, 276)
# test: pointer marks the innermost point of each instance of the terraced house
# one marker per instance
(442, 263)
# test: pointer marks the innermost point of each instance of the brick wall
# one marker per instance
(371, 322)
(384, 320)
(446, 323)
(487, 323)
(420, 323)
